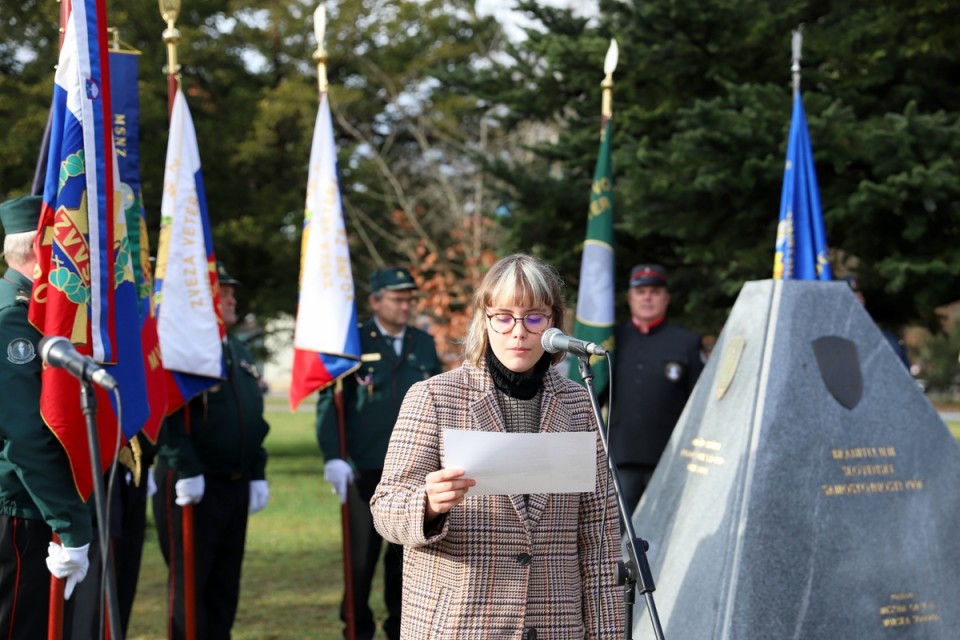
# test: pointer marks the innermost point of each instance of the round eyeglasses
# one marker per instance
(505, 322)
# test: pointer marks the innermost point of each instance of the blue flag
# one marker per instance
(801, 250)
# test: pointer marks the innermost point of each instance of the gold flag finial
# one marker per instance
(169, 10)
(609, 66)
(320, 55)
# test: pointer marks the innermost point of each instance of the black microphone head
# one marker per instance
(546, 340)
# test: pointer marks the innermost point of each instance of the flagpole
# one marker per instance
(606, 87)
(56, 604)
(169, 10)
(801, 250)
(594, 317)
(55, 608)
(349, 615)
(349, 611)
(797, 44)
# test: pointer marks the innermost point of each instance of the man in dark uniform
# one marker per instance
(216, 463)
(394, 357)
(38, 496)
(656, 367)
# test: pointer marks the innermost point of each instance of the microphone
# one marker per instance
(553, 340)
(58, 352)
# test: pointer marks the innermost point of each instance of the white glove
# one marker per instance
(189, 490)
(70, 563)
(259, 494)
(151, 483)
(338, 473)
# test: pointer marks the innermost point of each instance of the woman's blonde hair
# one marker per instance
(515, 279)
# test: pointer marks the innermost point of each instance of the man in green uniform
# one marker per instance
(394, 357)
(216, 463)
(38, 496)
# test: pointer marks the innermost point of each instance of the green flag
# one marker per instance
(595, 299)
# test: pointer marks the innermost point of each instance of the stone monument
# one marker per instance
(810, 491)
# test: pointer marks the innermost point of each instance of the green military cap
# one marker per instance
(391, 279)
(19, 215)
(224, 276)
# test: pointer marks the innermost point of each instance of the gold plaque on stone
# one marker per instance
(729, 361)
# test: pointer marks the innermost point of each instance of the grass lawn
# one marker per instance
(292, 570)
(954, 429)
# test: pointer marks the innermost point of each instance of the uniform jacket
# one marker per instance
(35, 477)
(227, 428)
(653, 376)
(373, 394)
(497, 566)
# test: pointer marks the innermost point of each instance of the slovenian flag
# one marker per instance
(326, 340)
(187, 292)
(84, 290)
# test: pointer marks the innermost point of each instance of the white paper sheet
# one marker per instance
(515, 463)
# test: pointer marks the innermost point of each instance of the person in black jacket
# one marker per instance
(217, 463)
(656, 366)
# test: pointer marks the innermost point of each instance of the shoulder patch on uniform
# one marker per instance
(20, 351)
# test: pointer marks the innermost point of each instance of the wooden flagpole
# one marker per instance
(55, 607)
(349, 609)
(169, 10)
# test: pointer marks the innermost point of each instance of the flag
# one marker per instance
(326, 340)
(190, 326)
(801, 249)
(595, 298)
(84, 282)
(126, 129)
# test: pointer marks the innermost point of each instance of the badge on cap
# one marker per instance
(20, 351)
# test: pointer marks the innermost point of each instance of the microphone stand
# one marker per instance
(88, 403)
(637, 565)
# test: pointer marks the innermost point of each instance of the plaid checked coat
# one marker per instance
(498, 568)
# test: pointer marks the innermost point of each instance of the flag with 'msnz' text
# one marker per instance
(126, 129)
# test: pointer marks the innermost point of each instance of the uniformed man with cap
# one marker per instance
(38, 496)
(656, 367)
(218, 464)
(394, 357)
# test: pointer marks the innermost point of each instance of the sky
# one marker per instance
(513, 20)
